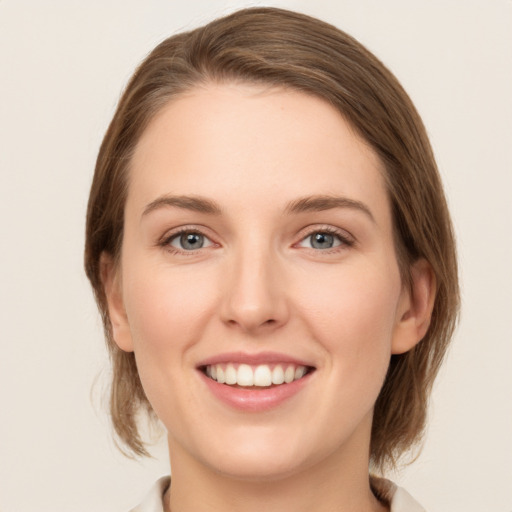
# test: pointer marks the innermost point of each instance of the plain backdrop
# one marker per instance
(63, 64)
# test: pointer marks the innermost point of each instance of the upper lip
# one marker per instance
(253, 359)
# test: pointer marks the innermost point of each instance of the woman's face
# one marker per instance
(258, 248)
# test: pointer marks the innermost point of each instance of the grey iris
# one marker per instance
(322, 241)
(191, 241)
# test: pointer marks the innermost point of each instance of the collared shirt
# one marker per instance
(399, 499)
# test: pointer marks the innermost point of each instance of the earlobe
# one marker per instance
(415, 309)
(110, 277)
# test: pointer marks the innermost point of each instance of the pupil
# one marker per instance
(322, 241)
(191, 241)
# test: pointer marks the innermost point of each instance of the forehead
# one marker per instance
(242, 140)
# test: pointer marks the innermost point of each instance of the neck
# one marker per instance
(324, 487)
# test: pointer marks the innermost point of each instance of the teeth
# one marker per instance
(244, 376)
(299, 372)
(278, 375)
(289, 374)
(230, 374)
(260, 376)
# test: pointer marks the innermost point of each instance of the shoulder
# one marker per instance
(398, 498)
(153, 501)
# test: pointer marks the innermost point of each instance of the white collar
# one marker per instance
(399, 499)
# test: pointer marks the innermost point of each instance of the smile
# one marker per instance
(261, 375)
(255, 382)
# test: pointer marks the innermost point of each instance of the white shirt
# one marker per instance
(400, 500)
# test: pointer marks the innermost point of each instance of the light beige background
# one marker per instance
(62, 67)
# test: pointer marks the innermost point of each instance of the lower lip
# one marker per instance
(255, 399)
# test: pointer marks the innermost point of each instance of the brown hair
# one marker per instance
(286, 49)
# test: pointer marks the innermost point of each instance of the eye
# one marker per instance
(189, 241)
(324, 239)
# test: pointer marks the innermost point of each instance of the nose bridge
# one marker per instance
(254, 297)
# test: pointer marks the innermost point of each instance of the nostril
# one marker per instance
(250, 324)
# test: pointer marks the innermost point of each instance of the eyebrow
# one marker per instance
(306, 204)
(320, 203)
(194, 203)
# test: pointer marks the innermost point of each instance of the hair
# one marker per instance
(284, 49)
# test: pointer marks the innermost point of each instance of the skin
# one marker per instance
(259, 285)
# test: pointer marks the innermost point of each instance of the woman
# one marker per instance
(271, 251)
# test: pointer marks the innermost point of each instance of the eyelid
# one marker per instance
(170, 235)
(178, 236)
(346, 238)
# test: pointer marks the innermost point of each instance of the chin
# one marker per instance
(258, 468)
(270, 457)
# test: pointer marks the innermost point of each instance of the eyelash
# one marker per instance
(345, 240)
(167, 240)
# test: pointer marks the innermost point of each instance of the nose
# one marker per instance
(254, 293)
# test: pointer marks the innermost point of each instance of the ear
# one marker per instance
(110, 277)
(415, 308)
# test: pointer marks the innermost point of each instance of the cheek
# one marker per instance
(165, 307)
(166, 316)
(353, 317)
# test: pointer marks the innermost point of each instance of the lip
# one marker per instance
(257, 399)
(253, 359)
(254, 399)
